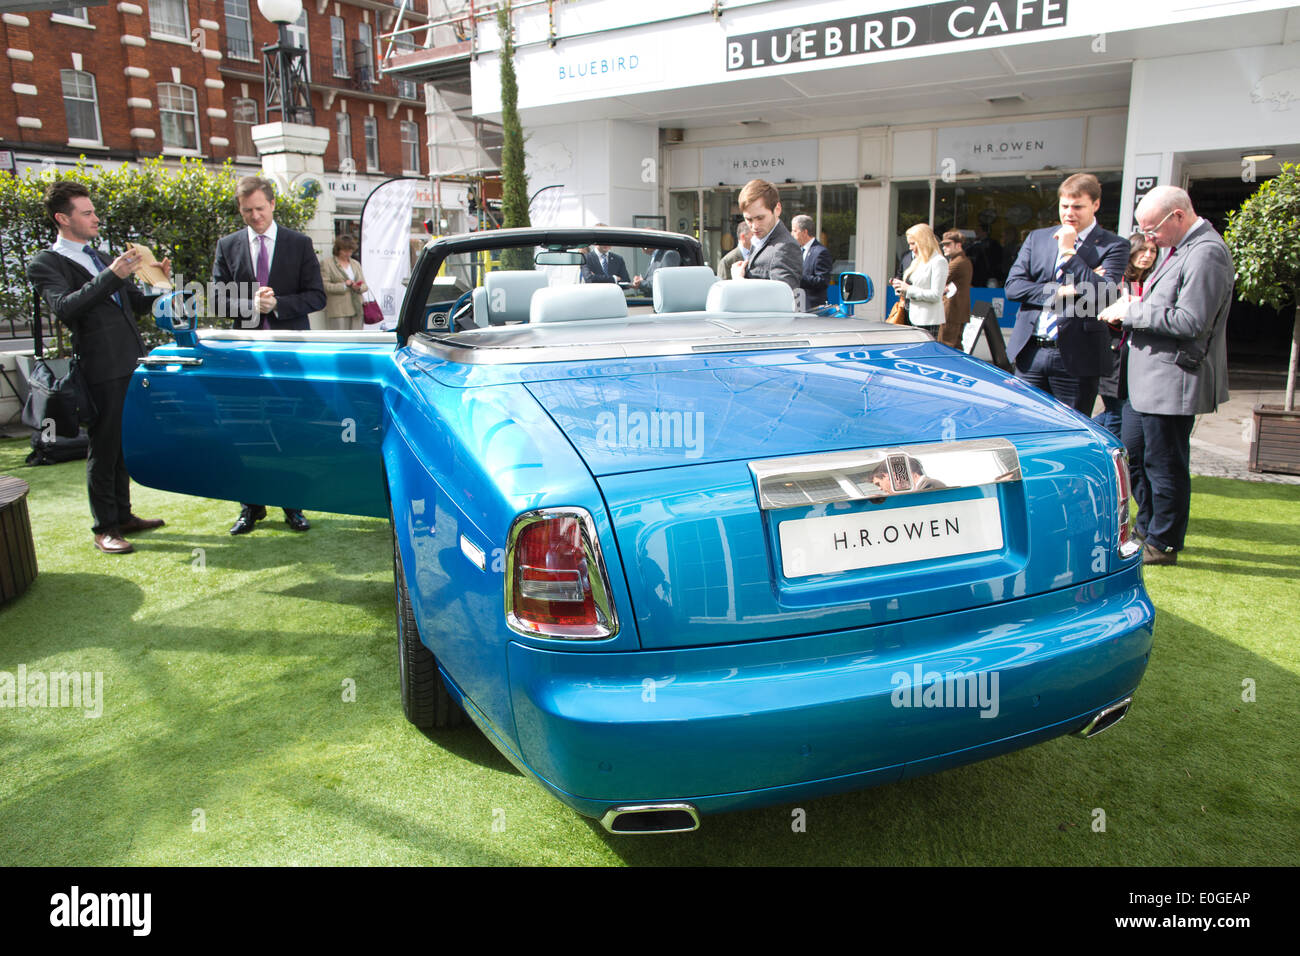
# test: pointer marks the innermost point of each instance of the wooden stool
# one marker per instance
(17, 549)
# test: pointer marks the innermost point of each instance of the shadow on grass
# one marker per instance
(1193, 775)
(219, 696)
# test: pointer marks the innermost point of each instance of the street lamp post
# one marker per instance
(290, 144)
(284, 67)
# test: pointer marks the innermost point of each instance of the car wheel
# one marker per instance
(425, 699)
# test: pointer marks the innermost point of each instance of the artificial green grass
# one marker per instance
(225, 684)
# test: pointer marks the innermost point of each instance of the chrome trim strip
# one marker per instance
(865, 473)
(258, 335)
(148, 360)
(611, 815)
(600, 589)
(1087, 732)
(427, 344)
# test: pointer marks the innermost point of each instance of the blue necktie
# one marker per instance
(90, 250)
(1054, 317)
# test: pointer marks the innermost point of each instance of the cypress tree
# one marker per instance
(514, 199)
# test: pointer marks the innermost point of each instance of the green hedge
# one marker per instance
(180, 213)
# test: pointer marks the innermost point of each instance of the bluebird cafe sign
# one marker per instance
(893, 30)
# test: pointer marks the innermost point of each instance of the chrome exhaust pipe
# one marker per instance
(651, 818)
(1104, 719)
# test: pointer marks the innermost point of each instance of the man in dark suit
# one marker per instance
(604, 265)
(776, 254)
(817, 263)
(282, 266)
(98, 303)
(1177, 362)
(1058, 344)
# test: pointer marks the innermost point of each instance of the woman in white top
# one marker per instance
(924, 281)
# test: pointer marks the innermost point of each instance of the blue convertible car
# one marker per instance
(674, 547)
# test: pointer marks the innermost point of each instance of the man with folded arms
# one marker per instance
(1062, 279)
(98, 302)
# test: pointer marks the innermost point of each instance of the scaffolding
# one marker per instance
(464, 151)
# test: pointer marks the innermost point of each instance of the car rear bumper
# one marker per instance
(772, 721)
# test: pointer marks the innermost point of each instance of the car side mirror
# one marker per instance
(855, 288)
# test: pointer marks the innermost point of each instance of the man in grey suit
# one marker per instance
(776, 255)
(1178, 362)
(744, 246)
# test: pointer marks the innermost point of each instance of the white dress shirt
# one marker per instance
(270, 247)
(77, 253)
(1049, 319)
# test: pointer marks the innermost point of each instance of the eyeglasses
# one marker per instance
(1156, 228)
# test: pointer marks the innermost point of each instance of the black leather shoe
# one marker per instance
(296, 519)
(249, 515)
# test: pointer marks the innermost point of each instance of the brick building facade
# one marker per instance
(176, 78)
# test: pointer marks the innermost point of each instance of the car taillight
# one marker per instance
(556, 584)
(1128, 543)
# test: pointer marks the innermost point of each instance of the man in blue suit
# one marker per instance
(283, 268)
(603, 265)
(817, 263)
(1062, 279)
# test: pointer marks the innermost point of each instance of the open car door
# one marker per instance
(290, 419)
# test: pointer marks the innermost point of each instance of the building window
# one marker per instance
(339, 46)
(298, 37)
(410, 148)
(72, 13)
(178, 111)
(371, 127)
(239, 30)
(245, 116)
(169, 18)
(81, 106)
(406, 89)
(363, 57)
(344, 137)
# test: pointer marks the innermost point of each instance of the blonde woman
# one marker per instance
(344, 284)
(923, 283)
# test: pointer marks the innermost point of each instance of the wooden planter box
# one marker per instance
(1276, 443)
(17, 550)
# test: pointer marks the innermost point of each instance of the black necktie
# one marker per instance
(95, 257)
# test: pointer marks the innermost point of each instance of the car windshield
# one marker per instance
(485, 286)
(555, 295)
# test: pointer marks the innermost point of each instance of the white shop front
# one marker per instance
(962, 115)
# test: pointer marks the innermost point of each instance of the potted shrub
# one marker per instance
(1264, 236)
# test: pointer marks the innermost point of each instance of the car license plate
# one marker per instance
(870, 539)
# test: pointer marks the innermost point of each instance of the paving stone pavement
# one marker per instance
(1221, 441)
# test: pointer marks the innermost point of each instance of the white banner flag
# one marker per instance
(386, 242)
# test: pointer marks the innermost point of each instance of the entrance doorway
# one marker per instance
(1259, 338)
